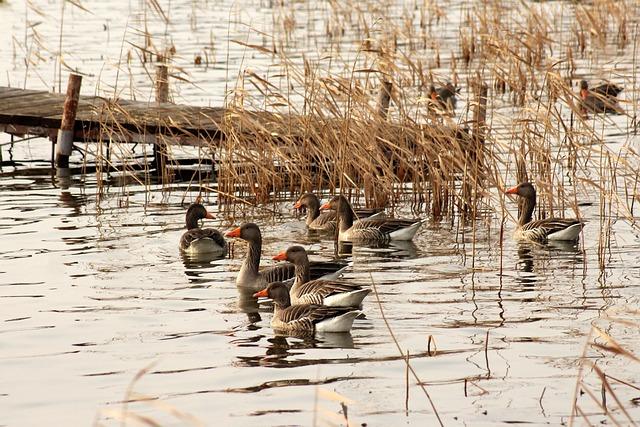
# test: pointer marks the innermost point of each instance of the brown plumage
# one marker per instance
(319, 291)
(380, 230)
(325, 221)
(201, 240)
(601, 99)
(306, 317)
(542, 230)
(444, 97)
(250, 275)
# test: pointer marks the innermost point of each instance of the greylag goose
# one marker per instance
(198, 240)
(320, 291)
(326, 221)
(600, 99)
(546, 229)
(444, 97)
(306, 318)
(250, 275)
(381, 230)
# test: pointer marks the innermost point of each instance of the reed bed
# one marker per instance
(319, 124)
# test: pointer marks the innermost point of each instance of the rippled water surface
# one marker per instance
(94, 292)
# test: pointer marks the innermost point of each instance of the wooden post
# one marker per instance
(162, 83)
(375, 196)
(65, 133)
(384, 98)
(480, 113)
(162, 95)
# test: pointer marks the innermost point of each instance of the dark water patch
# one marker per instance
(22, 296)
(276, 384)
(22, 284)
(274, 411)
(103, 374)
(94, 309)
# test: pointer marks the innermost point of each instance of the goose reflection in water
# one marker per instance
(282, 350)
(396, 249)
(530, 253)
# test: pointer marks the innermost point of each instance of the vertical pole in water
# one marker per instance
(475, 157)
(384, 99)
(162, 95)
(374, 195)
(64, 141)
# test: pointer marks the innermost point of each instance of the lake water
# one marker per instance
(94, 291)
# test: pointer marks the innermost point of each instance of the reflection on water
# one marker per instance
(115, 281)
(395, 249)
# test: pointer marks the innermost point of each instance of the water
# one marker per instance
(94, 290)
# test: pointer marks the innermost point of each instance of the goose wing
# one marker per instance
(304, 317)
(385, 226)
(541, 229)
(281, 272)
(608, 89)
(314, 291)
(326, 221)
(318, 269)
(194, 234)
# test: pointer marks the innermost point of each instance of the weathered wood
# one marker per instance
(162, 83)
(384, 98)
(64, 141)
(42, 112)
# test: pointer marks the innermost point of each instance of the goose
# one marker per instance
(326, 221)
(381, 230)
(305, 318)
(542, 230)
(198, 240)
(600, 99)
(250, 275)
(320, 291)
(444, 97)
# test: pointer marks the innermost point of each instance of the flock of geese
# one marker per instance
(306, 295)
(599, 99)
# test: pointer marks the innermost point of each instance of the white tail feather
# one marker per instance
(342, 323)
(346, 299)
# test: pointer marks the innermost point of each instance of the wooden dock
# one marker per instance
(39, 113)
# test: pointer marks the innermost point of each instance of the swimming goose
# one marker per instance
(600, 99)
(381, 230)
(444, 97)
(251, 276)
(306, 317)
(546, 229)
(326, 221)
(320, 291)
(198, 240)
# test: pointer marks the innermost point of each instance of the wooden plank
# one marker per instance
(9, 93)
(41, 108)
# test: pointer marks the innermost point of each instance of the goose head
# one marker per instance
(294, 254)
(195, 213)
(278, 292)
(247, 231)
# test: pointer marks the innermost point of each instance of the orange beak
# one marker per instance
(325, 207)
(512, 190)
(261, 294)
(209, 215)
(584, 93)
(282, 256)
(297, 205)
(234, 233)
